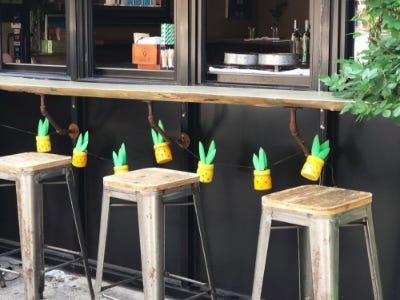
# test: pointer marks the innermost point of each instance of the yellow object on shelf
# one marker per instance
(312, 168)
(205, 171)
(121, 169)
(262, 180)
(79, 158)
(43, 143)
(162, 153)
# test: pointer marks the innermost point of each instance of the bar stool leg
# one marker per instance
(29, 202)
(151, 235)
(105, 212)
(324, 246)
(78, 226)
(372, 255)
(203, 239)
(40, 234)
(262, 249)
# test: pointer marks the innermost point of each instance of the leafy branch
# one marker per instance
(43, 127)
(373, 80)
(320, 150)
(82, 143)
(260, 162)
(209, 157)
(120, 158)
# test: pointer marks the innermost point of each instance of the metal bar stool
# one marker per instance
(29, 171)
(322, 210)
(152, 189)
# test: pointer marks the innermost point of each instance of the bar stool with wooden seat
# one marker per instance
(29, 171)
(152, 189)
(322, 210)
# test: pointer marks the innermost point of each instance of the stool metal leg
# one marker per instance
(262, 249)
(324, 246)
(78, 225)
(29, 202)
(105, 211)
(151, 235)
(203, 239)
(372, 255)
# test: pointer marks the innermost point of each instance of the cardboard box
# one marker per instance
(146, 56)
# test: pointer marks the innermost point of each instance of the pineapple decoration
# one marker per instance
(79, 154)
(162, 150)
(205, 167)
(119, 159)
(313, 166)
(261, 174)
(43, 143)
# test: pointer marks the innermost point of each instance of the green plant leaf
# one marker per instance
(315, 146)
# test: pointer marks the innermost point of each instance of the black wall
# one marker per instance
(366, 158)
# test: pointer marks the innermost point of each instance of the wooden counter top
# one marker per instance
(260, 97)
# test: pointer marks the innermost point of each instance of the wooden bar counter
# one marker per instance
(250, 96)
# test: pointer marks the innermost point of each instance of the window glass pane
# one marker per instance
(251, 41)
(34, 33)
(134, 34)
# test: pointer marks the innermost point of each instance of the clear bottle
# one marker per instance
(305, 58)
(296, 40)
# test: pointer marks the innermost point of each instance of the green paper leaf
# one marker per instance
(324, 145)
(261, 158)
(39, 129)
(202, 154)
(210, 156)
(79, 142)
(315, 146)
(255, 162)
(160, 137)
(122, 154)
(154, 136)
(323, 153)
(115, 159)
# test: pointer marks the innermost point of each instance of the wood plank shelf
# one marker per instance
(260, 97)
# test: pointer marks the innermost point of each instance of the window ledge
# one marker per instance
(260, 97)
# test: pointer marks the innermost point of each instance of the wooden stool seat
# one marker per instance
(317, 200)
(150, 179)
(321, 211)
(28, 170)
(32, 161)
(152, 189)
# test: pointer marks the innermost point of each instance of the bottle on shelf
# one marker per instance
(296, 40)
(305, 57)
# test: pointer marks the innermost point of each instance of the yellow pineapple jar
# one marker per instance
(162, 153)
(121, 169)
(262, 180)
(205, 171)
(312, 168)
(79, 158)
(43, 143)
